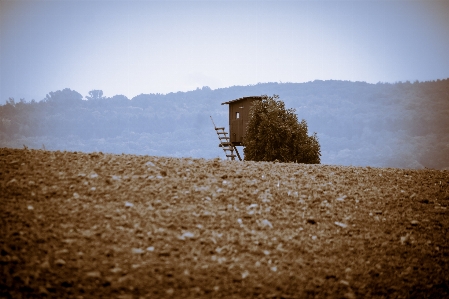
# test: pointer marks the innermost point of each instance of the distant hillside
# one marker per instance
(386, 125)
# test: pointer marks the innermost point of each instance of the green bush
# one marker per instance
(274, 133)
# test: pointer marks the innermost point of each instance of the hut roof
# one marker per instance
(240, 99)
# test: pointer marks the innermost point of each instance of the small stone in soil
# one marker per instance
(60, 262)
(265, 222)
(137, 251)
(93, 274)
(45, 265)
(116, 270)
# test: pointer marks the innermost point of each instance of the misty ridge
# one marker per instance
(403, 125)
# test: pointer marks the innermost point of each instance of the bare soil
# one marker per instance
(77, 225)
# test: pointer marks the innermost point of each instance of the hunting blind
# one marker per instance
(238, 120)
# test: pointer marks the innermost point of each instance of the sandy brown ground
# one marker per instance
(76, 225)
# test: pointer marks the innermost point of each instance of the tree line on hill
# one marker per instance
(386, 125)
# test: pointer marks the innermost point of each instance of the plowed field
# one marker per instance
(77, 225)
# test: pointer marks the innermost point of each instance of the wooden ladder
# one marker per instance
(225, 143)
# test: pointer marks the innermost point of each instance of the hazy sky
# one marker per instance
(134, 47)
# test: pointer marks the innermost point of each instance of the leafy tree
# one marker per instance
(95, 95)
(274, 133)
(65, 97)
(11, 102)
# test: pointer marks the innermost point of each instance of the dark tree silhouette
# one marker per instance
(64, 97)
(274, 133)
(95, 95)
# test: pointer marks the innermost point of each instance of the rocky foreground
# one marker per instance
(77, 225)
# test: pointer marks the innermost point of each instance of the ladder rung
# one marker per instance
(225, 142)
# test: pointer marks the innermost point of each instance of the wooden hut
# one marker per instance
(239, 117)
